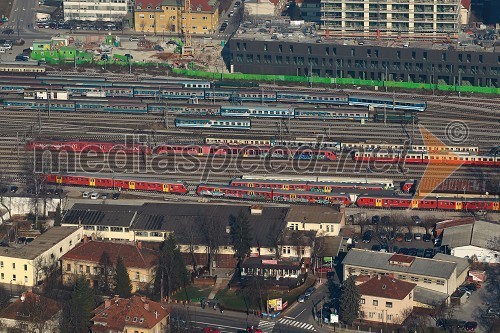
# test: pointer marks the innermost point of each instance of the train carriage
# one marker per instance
(256, 111)
(237, 142)
(214, 190)
(118, 183)
(356, 115)
(238, 124)
(311, 97)
(174, 93)
(387, 102)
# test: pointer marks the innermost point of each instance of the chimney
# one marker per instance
(156, 314)
(139, 245)
(107, 303)
(379, 277)
(146, 306)
(85, 239)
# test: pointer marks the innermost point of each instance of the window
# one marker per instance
(25, 267)
(151, 16)
(425, 56)
(427, 280)
(414, 279)
(87, 269)
(380, 315)
(13, 265)
(1, 264)
(388, 304)
(265, 47)
(116, 229)
(309, 50)
(60, 250)
(137, 275)
(25, 279)
(80, 269)
(291, 51)
(135, 319)
(141, 15)
(389, 317)
(440, 282)
(375, 302)
(362, 301)
(14, 277)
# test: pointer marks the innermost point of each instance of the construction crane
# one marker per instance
(187, 48)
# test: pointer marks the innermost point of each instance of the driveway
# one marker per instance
(474, 307)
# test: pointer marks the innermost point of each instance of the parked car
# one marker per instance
(8, 31)
(367, 236)
(158, 48)
(416, 219)
(210, 330)
(116, 196)
(408, 237)
(13, 189)
(375, 219)
(301, 298)
(420, 252)
(427, 237)
(471, 287)
(94, 196)
(104, 196)
(418, 236)
(376, 247)
(428, 253)
(399, 237)
(86, 195)
(309, 291)
(385, 219)
(470, 326)
(412, 252)
(403, 250)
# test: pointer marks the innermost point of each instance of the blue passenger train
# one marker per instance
(220, 123)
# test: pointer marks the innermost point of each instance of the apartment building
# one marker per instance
(23, 265)
(168, 16)
(95, 10)
(96, 261)
(415, 18)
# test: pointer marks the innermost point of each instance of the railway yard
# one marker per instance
(198, 132)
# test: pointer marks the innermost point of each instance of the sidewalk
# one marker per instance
(221, 283)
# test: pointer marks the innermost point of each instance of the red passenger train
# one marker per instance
(118, 183)
(301, 185)
(425, 158)
(87, 146)
(246, 151)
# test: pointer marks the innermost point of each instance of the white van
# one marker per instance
(2, 50)
(86, 195)
(94, 196)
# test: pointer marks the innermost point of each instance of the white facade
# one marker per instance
(23, 266)
(477, 254)
(95, 10)
(390, 17)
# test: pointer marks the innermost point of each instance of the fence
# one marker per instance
(341, 81)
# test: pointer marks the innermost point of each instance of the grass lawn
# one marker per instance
(234, 300)
(193, 292)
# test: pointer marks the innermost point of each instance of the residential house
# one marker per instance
(169, 16)
(96, 261)
(385, 299)
(324, 220)
(32, 312)
(478, 241)
(435, 278)
(23, 265)
(136, 314)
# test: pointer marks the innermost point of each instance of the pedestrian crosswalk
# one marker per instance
(298, 324)
(266, 326)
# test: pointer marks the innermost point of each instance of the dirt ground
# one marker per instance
(5, 8)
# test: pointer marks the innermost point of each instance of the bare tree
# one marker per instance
(105, 271)
(214, 236)
(411, 321)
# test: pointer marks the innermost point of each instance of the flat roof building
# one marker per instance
(442, 274)
(23, 266)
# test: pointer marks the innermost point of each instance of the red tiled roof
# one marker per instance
(50, 306)
(386, 287)
(136, 312)
(204, 6)
(402, 258)
(145, 3)
(132, 255)
(466, 4)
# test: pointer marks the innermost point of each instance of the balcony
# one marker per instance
(424, 9)
(404, 18)
(423, 18)
(353, 8)
(350, 16)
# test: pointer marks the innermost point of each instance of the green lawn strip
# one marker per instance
(193, 293)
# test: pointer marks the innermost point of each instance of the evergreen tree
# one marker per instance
(123, 285)
(350, 302)
(240, 235)
(78, 311)
(171, 273)
(58, 216)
